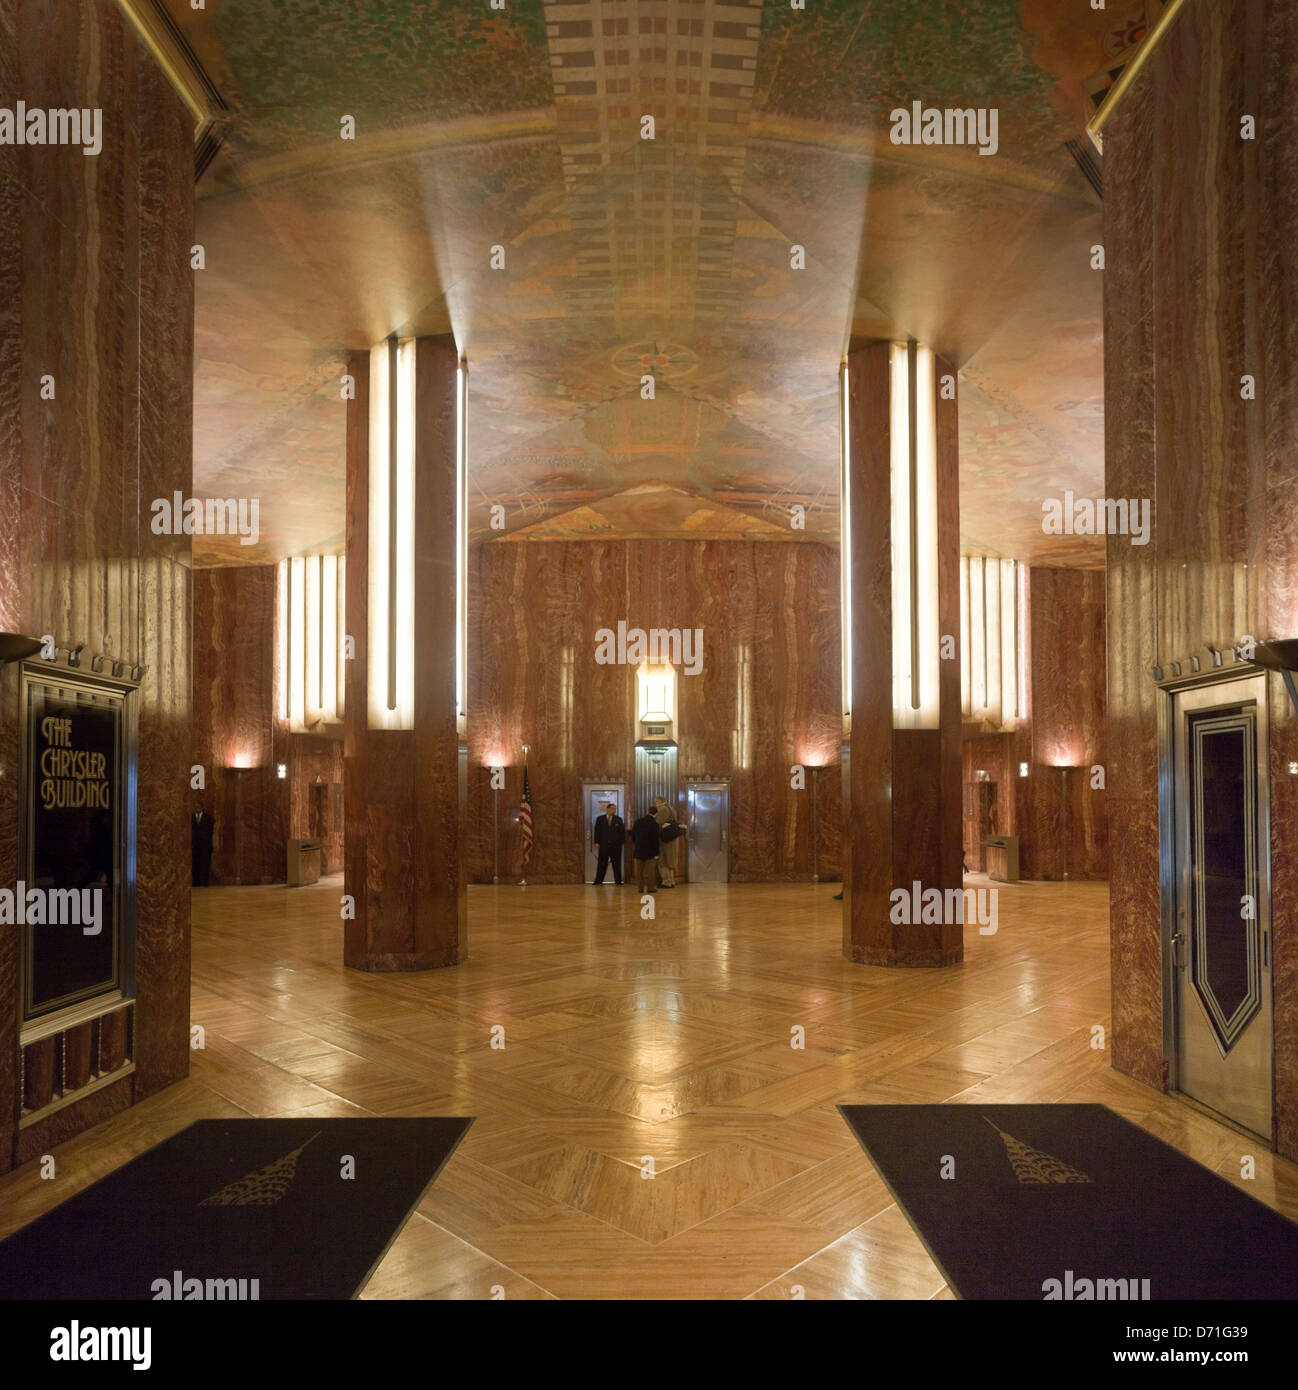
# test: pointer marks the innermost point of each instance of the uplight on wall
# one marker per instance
(915, 640)
(311, 604)
(991, 680)
(392, 536)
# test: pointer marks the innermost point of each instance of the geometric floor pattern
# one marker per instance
(648, 1128)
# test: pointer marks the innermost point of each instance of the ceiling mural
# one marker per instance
(522, 128)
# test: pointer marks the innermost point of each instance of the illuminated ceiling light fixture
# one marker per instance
(392, 536)
(915, 638)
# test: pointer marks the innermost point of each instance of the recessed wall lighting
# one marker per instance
(281, 771)
(1023, 769)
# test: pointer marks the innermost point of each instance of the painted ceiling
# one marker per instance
(521, 128)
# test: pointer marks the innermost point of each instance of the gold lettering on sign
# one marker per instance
(71, 777)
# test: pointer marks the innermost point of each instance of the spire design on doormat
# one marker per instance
(263, 1188)
(1033, 1165)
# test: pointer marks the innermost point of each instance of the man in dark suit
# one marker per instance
(610, 836)
(201, 828)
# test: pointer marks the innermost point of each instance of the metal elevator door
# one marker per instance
(709, 832)
(1219, 955)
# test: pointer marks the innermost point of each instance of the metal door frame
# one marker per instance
(1169, 869)
(588, 856)
(693, 784)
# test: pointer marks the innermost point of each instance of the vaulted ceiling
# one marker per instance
(521, 128)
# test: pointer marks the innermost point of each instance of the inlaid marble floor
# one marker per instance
(627, 1041)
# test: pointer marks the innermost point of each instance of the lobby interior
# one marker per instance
(483, 331)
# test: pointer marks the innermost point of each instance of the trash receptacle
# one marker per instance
(304, 862)
(1004, 856)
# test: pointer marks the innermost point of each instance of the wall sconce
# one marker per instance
(281, 771)
(392, 536)
(915, 638)
(1023, 769)
(1293, 769)
(1280, 656)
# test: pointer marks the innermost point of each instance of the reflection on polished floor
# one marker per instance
(625, 1040)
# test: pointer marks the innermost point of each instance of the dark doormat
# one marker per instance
(305, 1208)
(1072, 1202)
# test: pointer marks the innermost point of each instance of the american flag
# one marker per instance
(525, 820)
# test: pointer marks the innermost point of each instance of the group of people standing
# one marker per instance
(654, 838)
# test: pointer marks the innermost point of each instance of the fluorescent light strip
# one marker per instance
(281, 587)
(845, 538)
(900, 490)
(928, 639)
(391, 537)
(311, 634)
(461, 544)
(297, 642)
(340, 639)
(966, 705)
(1009, 642)
(394, 506)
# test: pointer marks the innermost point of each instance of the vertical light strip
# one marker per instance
(991, 681)
(340, 639)
(902, 592)
(284, 631)
(392, 531)
(845, 540)
(924, 562)
(297, 643)
(966, 702)
(394, 495)
(404, 623)
(379, 574)
(462, 545)
(311, 626)
(978, 637)
(992, 629)
(1009, 642)
(916, 642)
(329, 637)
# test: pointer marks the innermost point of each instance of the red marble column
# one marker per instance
(901, 787)
(405, 789)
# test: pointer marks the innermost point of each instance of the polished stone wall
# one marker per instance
(96, 293)
(1201, 291)
(765, 699)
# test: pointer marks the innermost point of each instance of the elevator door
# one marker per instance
(709, 832)
(1219, 956)
(598, 795)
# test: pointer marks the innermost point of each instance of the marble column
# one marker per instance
(901, 785)
(405, 788)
